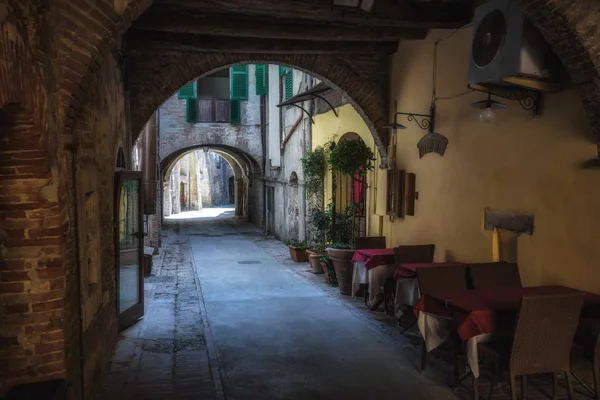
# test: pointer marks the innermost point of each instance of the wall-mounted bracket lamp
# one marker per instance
(528, 99)
(432, 142)
(425, 121)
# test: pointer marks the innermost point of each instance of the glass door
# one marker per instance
(129, 243)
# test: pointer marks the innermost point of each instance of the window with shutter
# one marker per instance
(262, 79)
(235, 111)
(191, 110)
(289, 84)
(239, 82)
(188, 91)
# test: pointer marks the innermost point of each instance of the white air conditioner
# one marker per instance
(508, 50)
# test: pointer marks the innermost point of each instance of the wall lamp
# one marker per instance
(432, 142)
(529, 100)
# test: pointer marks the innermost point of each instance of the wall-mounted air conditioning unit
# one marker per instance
(508, 50)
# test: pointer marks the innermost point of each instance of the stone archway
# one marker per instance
(363, 79)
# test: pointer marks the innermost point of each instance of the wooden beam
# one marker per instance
(143, 40)
(399, 13)
(234, 25)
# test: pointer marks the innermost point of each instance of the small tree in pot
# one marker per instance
(320, 228)
(352, 158)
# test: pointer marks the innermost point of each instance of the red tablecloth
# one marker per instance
(374, 257)
(410, 270)
(486, 311)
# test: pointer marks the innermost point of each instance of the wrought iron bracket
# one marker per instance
(425, 121)
(305, 111)
(328, 103)
(528, 99)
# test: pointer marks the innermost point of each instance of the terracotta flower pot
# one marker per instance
(298, 254)
(315, 263)
(342, 262)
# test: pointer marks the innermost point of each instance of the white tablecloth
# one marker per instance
(407, 293)
(435, 330)
(374, 277)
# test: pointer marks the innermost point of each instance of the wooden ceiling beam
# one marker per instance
(400, 13)
(141, 41)
(233, 25)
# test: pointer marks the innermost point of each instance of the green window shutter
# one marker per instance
(289, 84)
(235, 111)
(191, 110)
(282, 70)
(239, 82)
(262, 79)
(188, 91)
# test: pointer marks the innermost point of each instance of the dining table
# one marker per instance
(481, 315)
(407, 288)
(372, 267)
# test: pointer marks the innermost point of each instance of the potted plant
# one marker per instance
(315, 252)
(314, 165)
(329, 271)
(320, 229)
(341, 253)
(297, 250)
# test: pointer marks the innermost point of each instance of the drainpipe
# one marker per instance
(291, 132)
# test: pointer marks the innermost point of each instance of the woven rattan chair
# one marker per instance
(544, 332)
(437, 279)
(494, 275)
(369, 242)
(420, 253)
(589, 345)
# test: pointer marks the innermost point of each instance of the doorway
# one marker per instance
(129, 243)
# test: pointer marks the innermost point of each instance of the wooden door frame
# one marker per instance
(130, 316)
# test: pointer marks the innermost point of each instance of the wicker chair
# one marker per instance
(436, 279)
(544, 333)
(494, 275)
(590, 346)
(421, 253)
(369, 242)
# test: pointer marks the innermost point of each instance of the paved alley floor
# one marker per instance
(230, 316)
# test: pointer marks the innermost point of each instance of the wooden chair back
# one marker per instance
(494, 275)
(369, 242)
(421, 253)
(436, 279)
(546, 326)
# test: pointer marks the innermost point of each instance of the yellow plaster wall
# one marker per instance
(329, 127)
(514, 164)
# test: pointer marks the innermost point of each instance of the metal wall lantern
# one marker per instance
(529, 100)
(360, 6)
(432, 142)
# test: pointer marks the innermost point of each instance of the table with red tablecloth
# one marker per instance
(476, 315)
(407, 289)
(372, 267)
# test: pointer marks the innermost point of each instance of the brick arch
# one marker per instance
(89, 28)
(245, 161)
(30, 253)
(364, 81)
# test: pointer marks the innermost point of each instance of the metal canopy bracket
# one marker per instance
(308, 95)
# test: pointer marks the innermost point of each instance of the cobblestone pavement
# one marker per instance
(230, 316)
(165, 355)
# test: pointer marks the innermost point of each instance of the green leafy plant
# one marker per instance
(331, 276)
(318, 247)
(300, 244)
(313, 168)
(320, 225)
(345, 226)
(351, 157)
(341, 246)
